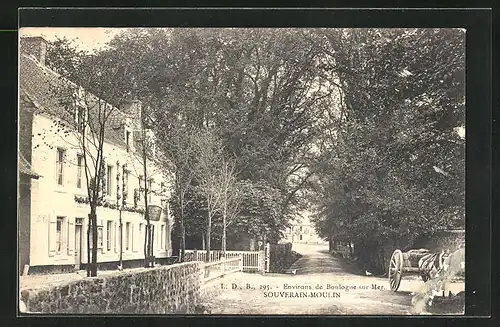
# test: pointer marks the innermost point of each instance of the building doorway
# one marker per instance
(78, 242)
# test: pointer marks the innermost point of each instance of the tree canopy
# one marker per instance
(399, 168)
(362, 125)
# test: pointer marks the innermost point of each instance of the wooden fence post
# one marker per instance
(241, 262)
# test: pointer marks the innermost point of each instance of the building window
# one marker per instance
(167, 236)
(141, 187)
(125, 185)
(109, 180)
(300, 237)
(60, 166)
(109, 233)
(59, 234)
(80, 118)
(162, 232)
(79, 167)
(301, 228)
(150, 185)
(99, 237)
(127, 236)
(127, 140)
(153, 233)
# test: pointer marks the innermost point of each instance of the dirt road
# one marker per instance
(321, 284)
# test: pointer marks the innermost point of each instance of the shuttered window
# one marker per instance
(79, 167)
(70, 233)
(109, 181)
(109, 235)
(59, 234)
(162, 233)
(127, 236)
(60, 166)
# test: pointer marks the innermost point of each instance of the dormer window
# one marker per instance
(128, 137)
(60, 166)
(80, 118)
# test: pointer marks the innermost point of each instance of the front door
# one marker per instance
(78, 245)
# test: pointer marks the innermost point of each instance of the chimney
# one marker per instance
(35, 46)
(132, 108)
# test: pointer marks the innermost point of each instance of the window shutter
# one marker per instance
(100, 231)
(167, 235)
(114, 236)
(140, 237)
(105, 237)
(55, 167)
(134, 238)
(52, 235)
(71, 237)
(156, 238)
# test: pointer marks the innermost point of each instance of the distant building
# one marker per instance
(302, 231)
(53, 214)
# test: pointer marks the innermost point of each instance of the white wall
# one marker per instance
(50, 200)
(302, 227)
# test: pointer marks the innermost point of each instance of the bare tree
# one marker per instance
(230, 196)
(92, 115)
(209, 157)
(178, 157)
(89, 89)
(145, 154)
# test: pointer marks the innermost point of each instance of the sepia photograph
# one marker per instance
(241, 171)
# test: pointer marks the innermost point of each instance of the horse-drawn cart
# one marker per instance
(423, 262)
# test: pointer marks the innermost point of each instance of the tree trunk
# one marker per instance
(93, 266)
(146, 232)
(224, 233)
(151, 243)
(89, 226)
(183, 232)
(148, 241)
(148, 235)
(203, 247)
(121, 240)
(208, 236)
(146, 245)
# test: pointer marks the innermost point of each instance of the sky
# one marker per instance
(85, 38)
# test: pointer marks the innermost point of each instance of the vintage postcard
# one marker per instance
(250, 171)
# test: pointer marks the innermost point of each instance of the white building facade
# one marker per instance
(302, 231)
(59, 198)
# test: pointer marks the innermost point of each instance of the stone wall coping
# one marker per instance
(107, 276)
(161, 289)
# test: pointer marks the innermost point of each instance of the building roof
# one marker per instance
(39, 83)
(25, 167)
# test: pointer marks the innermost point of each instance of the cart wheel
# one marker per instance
(395, 270)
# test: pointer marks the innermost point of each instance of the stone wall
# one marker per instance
(162, 290)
